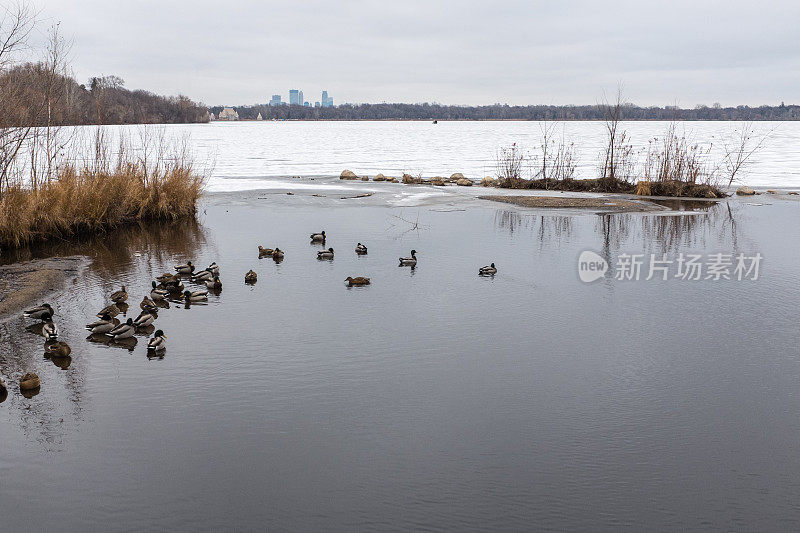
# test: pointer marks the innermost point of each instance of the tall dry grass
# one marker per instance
(91, 199)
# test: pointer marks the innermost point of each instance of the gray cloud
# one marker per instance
(465, 52)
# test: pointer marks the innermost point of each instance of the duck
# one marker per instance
(409, 261)
(49, 329)
(203, 276)
(196, 296)
(104, 325)
(318, 237)
(264, 252)
(148, 305)
(186, 268)
(39, 312)
(157, 294)
(277, 254)
(361, 249)
(215, 284)
(29, 381)
(325, 254)
(165, 277)
(490, 270)
(58, 349)
(119, 296)
(145, 319)
(123, 331)
(358, 281)
(111, 310)
(250, 277)
(214, 268)
(157, 343)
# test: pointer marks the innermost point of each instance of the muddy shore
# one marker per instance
(25, 284)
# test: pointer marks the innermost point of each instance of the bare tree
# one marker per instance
(739, 152)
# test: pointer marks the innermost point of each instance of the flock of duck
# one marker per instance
(171, 287)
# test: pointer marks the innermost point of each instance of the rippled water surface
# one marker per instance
(432, 399)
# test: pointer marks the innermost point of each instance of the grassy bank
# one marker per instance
(675, 188)
(82, 202)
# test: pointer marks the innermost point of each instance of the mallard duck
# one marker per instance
(166, 276)
(39, 312)
(361, 249)
(196, 296)
(356, 281)
(123, 331)
(157, 294)
(148, 305)
(490, 270)
(318, 237)
(325, 254)
(214, 268)
(49, 329)
(203, 276)
(215, 284)
(250, 277)
(409, 261)
(29, 381)
(186, 268)
(157, 343)
(145, 319)
(264, 252)
(111, 310)
(58, 349)
(119, 296)
(104, 325)
(277, 254)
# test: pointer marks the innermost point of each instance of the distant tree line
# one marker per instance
(508, 112)
(33, 94)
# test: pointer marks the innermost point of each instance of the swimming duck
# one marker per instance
(49, 329)
(325, 254)
(359, 281)
(157, 343)
(214, 268)
(409, 261)
(196, 296)
(264, 252)
(58, 349)
(490, 270)
(148, 305)
(250, 277)
(361, 249)
(145, 319)
(119, 296)
(166, 276)
(157, 294)
(104, 325)
(29, 381)
(123, 331)
(277, 254)
(39, 312)
(111, 310)
(215, 284)
(318, 237)
(203, 276)
(186, 268)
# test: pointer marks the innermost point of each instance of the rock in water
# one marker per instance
(488, 181)
(348, 175)
(379, 177)
(745, 191)
(464, 182)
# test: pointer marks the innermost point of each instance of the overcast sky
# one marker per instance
(456, 52)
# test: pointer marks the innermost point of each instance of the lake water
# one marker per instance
(258, 155)
(431, 400)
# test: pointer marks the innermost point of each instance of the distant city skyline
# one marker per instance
(466, 52)
(296, 97)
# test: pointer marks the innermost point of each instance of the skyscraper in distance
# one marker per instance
(300, 100)
(294, 97)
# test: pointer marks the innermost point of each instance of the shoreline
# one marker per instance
(23, 284)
